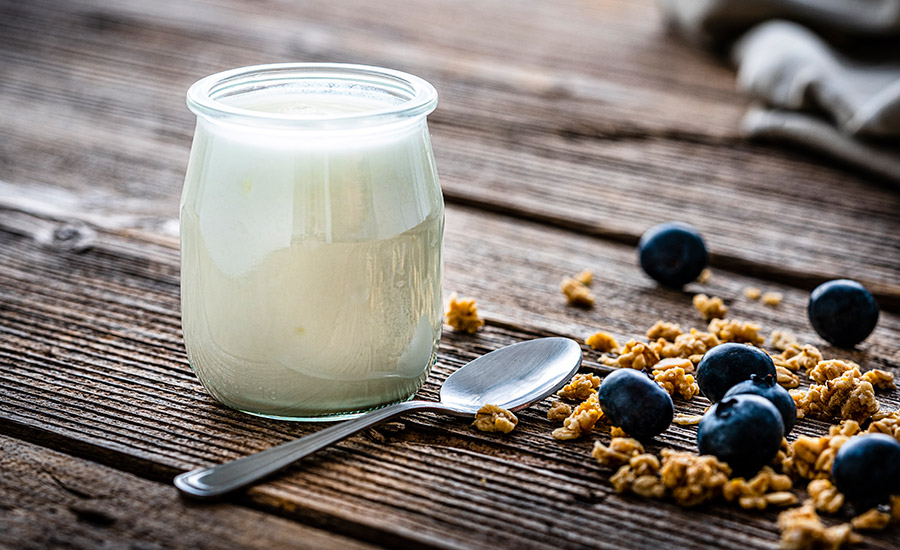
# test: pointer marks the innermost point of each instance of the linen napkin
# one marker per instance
(810, 94)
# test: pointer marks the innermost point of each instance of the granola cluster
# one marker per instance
(687, 419)
(620, 451)
(462, 314)
(841, 392)
(782, 340)
(762, 490)
(801, 529)
(640, 477)
(812, 457)
(581, 421)
(674, 379)
(786, 378)
(491, 418)
(886, 423)
(710, 308)
(586, 277)
(796, 358)
(581, 387)
(752, 293)
(576, 290)
(602, 342)
(665, 330)
(736, 331)
(692, 479)
(704, 276)
(633, 355)
(559, 411)
(871, 520)
(689, 345)
(880, 380)
(824, 495)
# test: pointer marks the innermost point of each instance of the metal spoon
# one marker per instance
(512, 377)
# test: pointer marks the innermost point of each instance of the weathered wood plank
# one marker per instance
(51, 500)
(593, 138)
(94, 367)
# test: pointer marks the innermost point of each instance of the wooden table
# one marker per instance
(565, 129)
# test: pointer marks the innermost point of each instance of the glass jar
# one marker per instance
(311, 239)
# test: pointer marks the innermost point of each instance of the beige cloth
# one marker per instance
(810, 94)
(706, 21)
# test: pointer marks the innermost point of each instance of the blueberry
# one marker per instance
(633, 401)
(842, 312)
(867, 469)
(673, 253)
(729, 364)
(744, 431)
(765, 386)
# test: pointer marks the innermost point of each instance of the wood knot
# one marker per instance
(69, 237)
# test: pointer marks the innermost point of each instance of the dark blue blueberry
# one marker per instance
(729, 364)
(842, 312)
(633, 401)
(765, 386)
(867, 470)
(744, 431)
(673, 253)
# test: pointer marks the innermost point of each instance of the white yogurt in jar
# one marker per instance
(311, 260)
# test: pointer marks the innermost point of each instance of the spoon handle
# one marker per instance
(207, 483)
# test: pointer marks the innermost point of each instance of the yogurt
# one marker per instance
(311, 259)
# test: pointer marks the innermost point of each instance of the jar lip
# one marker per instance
(414, 96)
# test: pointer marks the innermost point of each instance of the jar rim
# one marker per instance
(415, 97)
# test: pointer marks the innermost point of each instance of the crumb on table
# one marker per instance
(619, 451)
(796, 358)
(663, 329)
(674, 380)
(603, 342)
(752, 293)
(633, 355)
(586, 277)
(841, 393)
(710, 308)
(772, 298)
(491, 418)
(801, 528)
(705, 276)
(886, 423)
(765, 489)
(687, 419)
(736, 331)
(580, 387)
(577, 293)
(581, 421)
(825, 496)
(782, 340)
(559, 411)
(786, 378)
(462, 314)
(812, 457)
(686, 345)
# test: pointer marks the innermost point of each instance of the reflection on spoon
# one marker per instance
(512, 377)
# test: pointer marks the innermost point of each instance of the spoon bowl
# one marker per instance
(512, 377)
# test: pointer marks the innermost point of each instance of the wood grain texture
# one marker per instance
(95, 367)
(601, 139)
(50, 500)
(581, 116)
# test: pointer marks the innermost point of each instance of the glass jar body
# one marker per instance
(311, 265)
